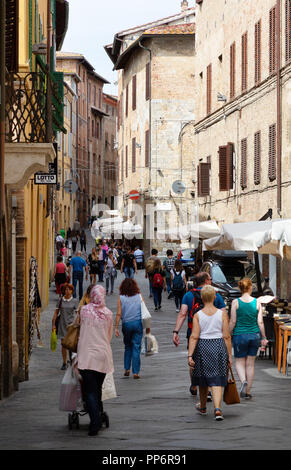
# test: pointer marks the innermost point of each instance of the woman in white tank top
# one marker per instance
(210, 352)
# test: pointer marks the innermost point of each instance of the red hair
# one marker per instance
(129, 287)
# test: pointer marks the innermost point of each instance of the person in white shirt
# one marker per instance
(110, 271)
(139, 256)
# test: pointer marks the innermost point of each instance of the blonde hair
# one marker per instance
(208, 294)
(244, 285)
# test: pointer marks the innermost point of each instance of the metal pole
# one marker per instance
(279, 109)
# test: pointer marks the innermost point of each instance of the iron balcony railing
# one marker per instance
(34, 106)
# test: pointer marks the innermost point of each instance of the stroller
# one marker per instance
(72, 399)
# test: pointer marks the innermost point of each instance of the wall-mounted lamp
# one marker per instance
(138, 146)
(221, 97)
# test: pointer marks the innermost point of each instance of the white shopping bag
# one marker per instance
(108, 388)
(71, 393)
(150, 345)
(145, 315)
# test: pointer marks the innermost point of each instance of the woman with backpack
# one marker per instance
(179, 283)
(158, 277)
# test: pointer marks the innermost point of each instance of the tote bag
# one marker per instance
(231, 396)
(108, 388)
(145, 315)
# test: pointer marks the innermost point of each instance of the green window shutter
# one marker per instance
(35, 20)
(58, 101)
(53, 11)
(30, 33)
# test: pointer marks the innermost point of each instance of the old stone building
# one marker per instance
(89, 129)
(241, 134)
(156, 100)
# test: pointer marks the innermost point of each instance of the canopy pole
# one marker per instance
(258, 272)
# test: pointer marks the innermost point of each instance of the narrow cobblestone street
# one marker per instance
(153, 413)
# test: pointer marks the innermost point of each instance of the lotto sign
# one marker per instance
(134, 195)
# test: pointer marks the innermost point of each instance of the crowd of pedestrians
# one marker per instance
(210, 333)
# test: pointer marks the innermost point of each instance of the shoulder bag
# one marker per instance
(145, 314)
(70, 341)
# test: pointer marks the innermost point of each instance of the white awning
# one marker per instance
(267, 237)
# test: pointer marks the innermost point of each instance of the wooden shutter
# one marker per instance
(203, 171)
(243, 177)
(272, 153)
(133, 155)
(226, 167)
(244, 62)
(126, 161)
(11, 35)
(288, 30)
(134, 92)
(122, 166)
(147, 148)
(232, 70)
(209, 88)
(257, 158)
(258, 29)
(272, 40)
(148, 82)
(126, 101)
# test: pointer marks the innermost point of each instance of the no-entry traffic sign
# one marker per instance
(134, 195)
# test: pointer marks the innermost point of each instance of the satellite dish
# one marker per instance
(70, 186)
(178, 187)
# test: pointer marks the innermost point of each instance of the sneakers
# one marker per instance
(218, 416)
(209, 397)
(177, 310)
(243, 389)
(193, 390)
(64, 367)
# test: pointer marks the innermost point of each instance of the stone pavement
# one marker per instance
(153, 413)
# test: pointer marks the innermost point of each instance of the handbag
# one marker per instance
(54, 340)
(230, 395)
(145, 315)
(70, 341)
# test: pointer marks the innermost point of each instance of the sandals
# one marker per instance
(193, 390)
(136, 376)
(202, 411)
(126, 373)
(218, 416)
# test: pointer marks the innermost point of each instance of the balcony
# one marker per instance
(34, 112)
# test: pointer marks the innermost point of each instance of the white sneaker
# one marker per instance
(177, 310)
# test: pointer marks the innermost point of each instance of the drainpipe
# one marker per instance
(279, 109)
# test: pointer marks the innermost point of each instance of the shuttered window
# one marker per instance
(209, 88)
(133, 155)
(288, 30)
(148, 82)
(257, 157)
(226, 167)
(11, 35)
(122, 166)
(126, 161)
(272, 153)
(258, 29)
(244, 62)
(272, 40)
(126, 101)
(147, 148)
(232, 70)
(203, 178)
(243, 176)
(134, 92)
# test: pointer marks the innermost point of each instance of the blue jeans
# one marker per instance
(78, 278)
(132, 338)
(100, 270)
(92, 394)
(157, 293)
(151, 286)
(129, 272)
(168, 281)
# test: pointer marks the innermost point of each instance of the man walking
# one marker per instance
(169, 265)
(78, 264)
(139, 256)
(191, 304)
(128, 264)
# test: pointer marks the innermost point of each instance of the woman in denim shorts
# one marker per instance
(247, 327)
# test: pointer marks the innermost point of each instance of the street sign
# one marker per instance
(45, 178)
(134, 195)
(70, 186)
(178, 187)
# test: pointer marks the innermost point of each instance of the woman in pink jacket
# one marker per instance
(94, 353)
